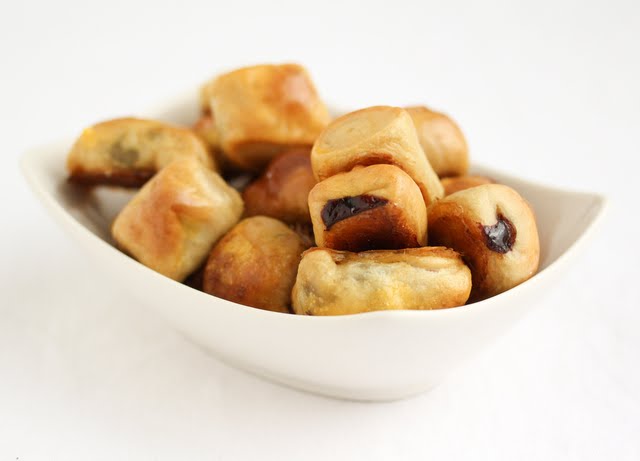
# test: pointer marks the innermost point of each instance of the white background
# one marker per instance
(547, 90)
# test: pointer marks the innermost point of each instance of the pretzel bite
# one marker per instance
(376, 135)
(283, 189)
(374, 207)
(128, 151)
(206, 128)
(255, 264)
(458, 183)
(260, 111)
(442, 141)
(495, 231)
(333, 282)
(173, 221)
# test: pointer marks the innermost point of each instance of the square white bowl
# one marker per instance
(383, 355)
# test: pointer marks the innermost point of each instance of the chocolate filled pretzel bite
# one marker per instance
(128, 151)
(376, 135)
(333, 282)
(494, 229)
(206, 128)
(442, 141)
(283, 189)
(260, 111)
(255, 264)
(374, 207)
(173, 221)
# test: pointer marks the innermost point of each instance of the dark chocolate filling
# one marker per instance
(501, 236)
(342, 208)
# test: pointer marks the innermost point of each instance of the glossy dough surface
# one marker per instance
(442, 141)
(173, 221)
(282, 191)
(334, 282)
(375, 135)
(129, 151)
(398, 220)
(495, 231)
(261, 110)
(255, 264)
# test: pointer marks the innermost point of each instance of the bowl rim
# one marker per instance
(33, 160)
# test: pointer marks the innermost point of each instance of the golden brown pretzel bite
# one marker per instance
(173, 221)
(495, 231)
(371, 136)
(374, 207)
(333, 282)
(260, 111)
(129, 151)
(442, 141)
(282, 191)
(255, 264)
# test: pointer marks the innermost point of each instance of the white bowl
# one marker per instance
(381, 355)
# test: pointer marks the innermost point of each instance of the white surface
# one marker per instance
(380, 356)
(549, 91)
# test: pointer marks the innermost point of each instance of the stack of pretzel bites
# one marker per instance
(371, 211)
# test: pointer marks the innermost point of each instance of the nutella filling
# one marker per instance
(339, 209)
(501, 236)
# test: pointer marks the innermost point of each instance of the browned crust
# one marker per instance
(247, 289)
(255, 154)
(450, 227)
(282, 190)
(280, 108)
(123, 178)
(255, 265)
(384, 227)
(451, 173)
(281, 167)
(205, 128)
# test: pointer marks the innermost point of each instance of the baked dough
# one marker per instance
(458, 183)
(442, 141)
(129, 151)
(376, 135)
(173, 221)
(374, 207)
(282, 191)
(259, 111)
(255, 264)
(206, 128)
(333, 282)
(494, 229)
